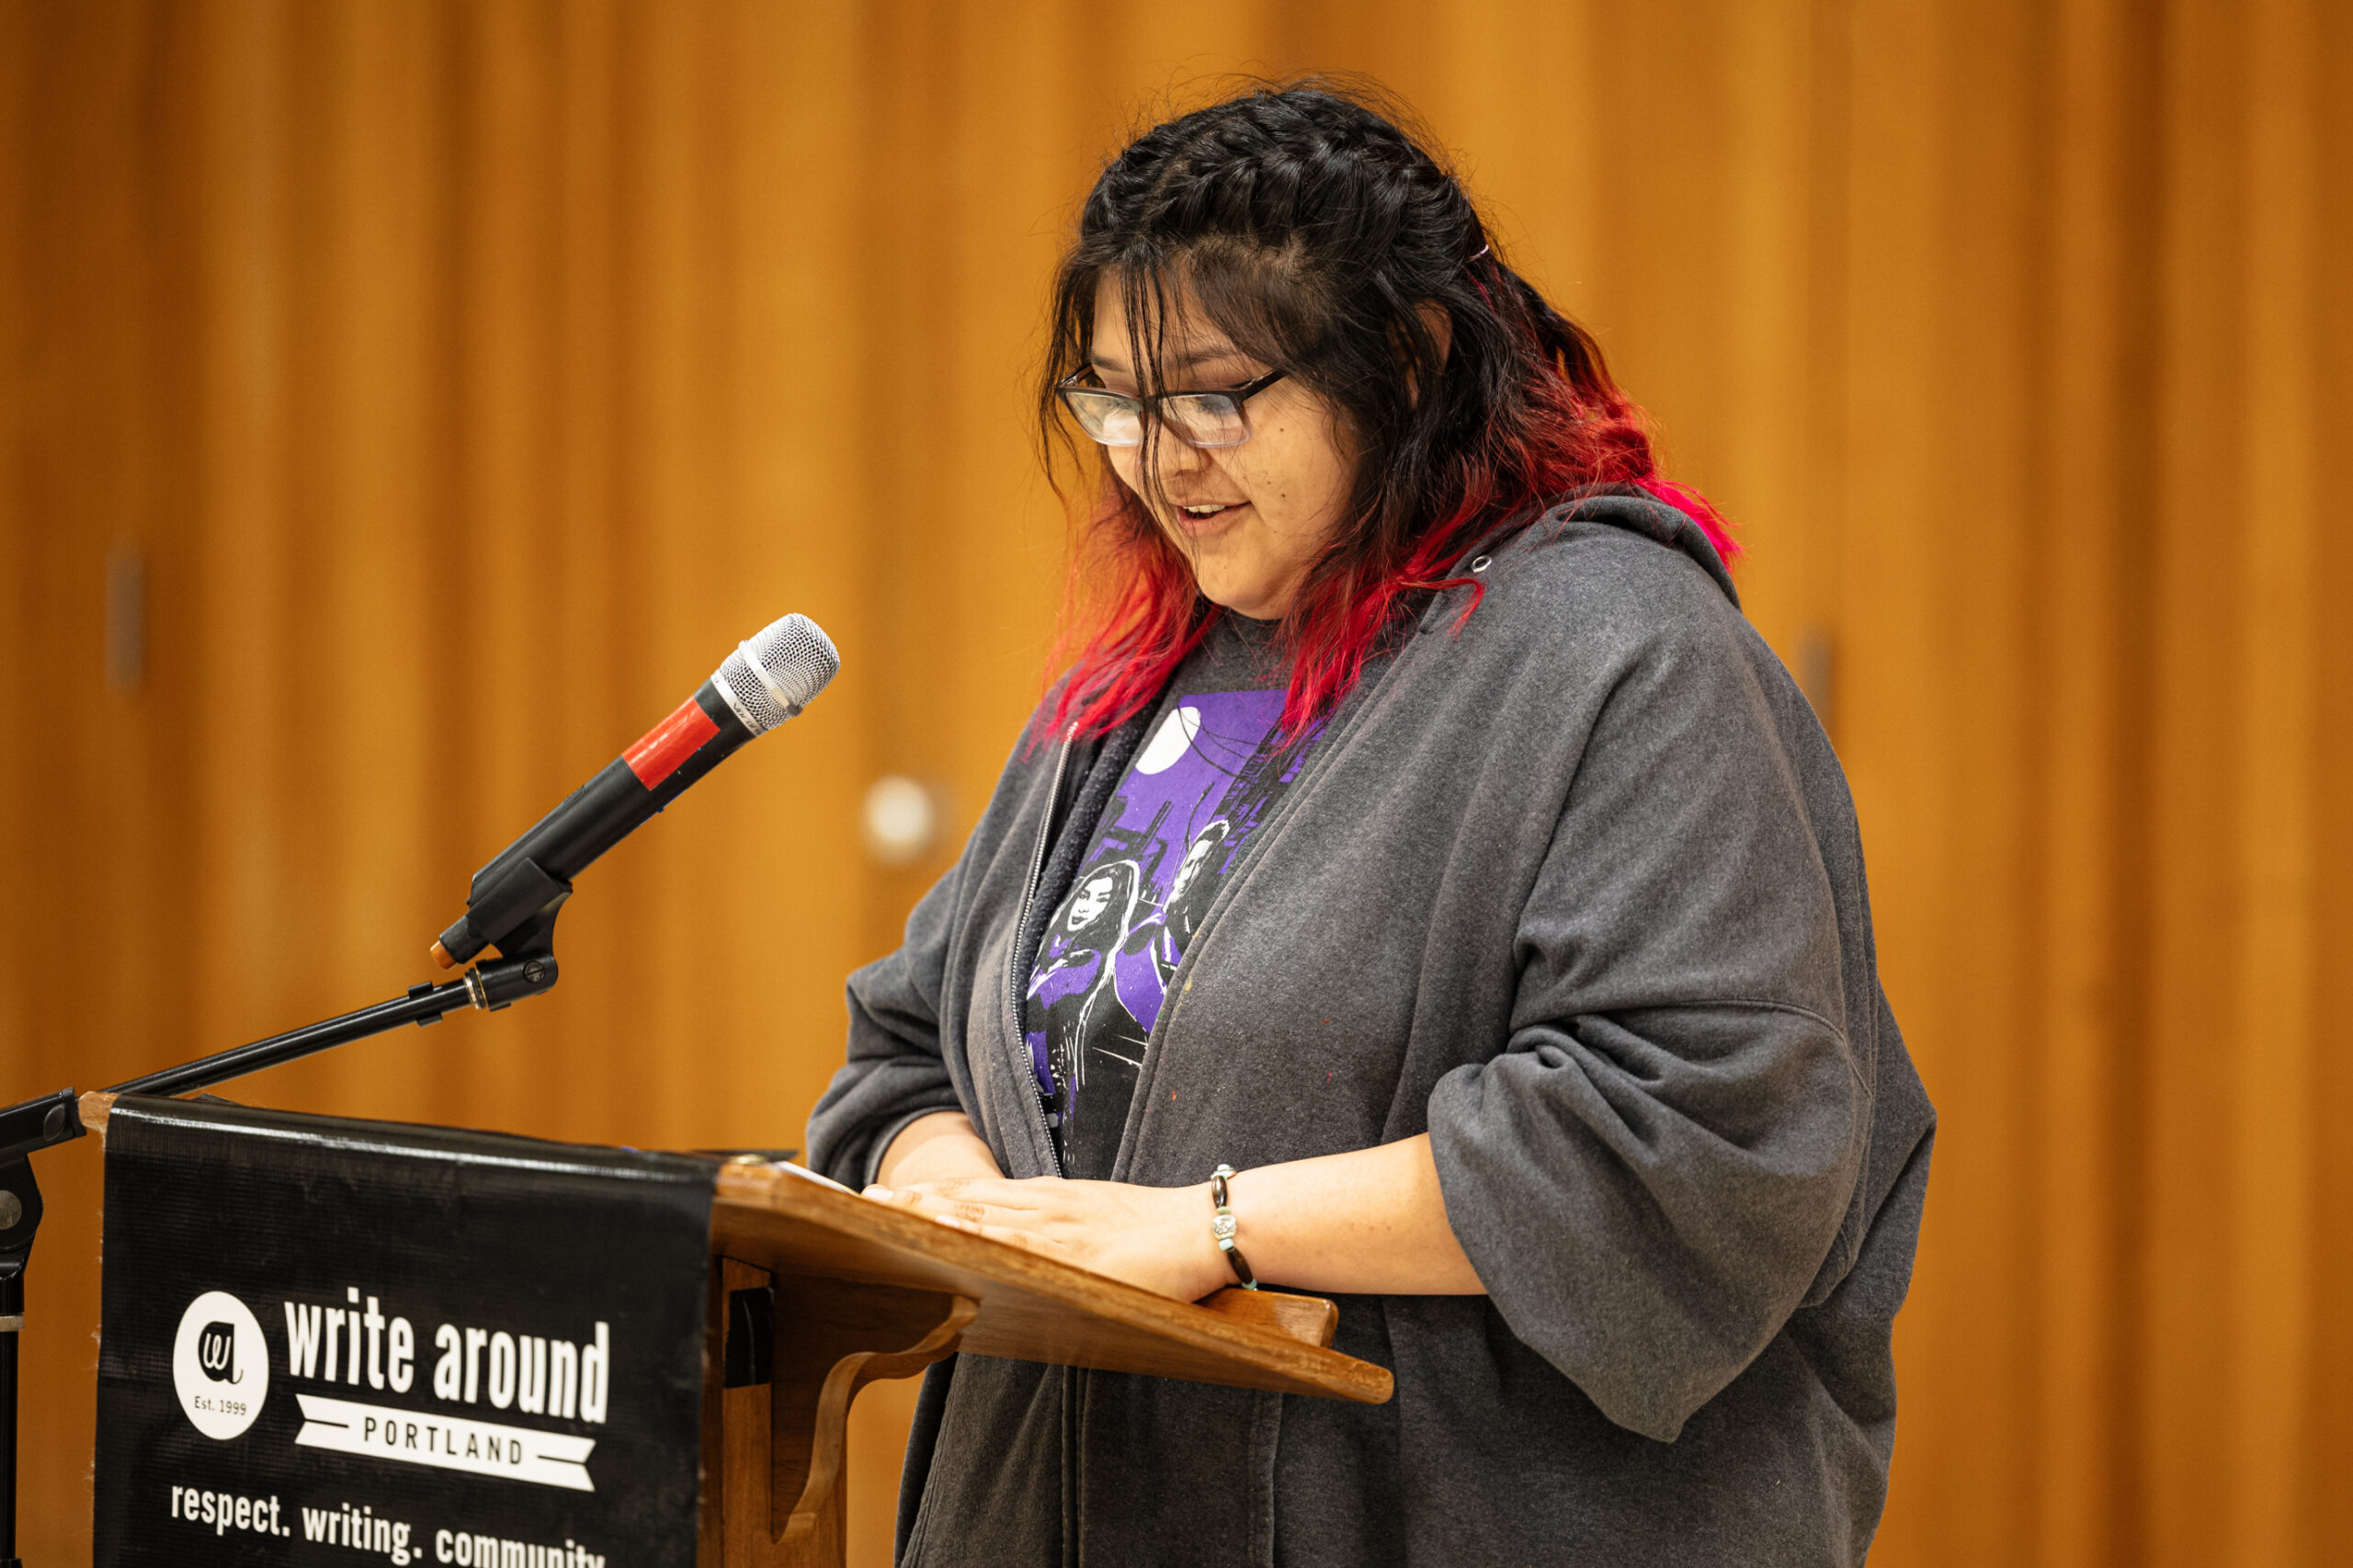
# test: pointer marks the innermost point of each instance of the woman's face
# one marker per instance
(1251, 518)
(1093, 899)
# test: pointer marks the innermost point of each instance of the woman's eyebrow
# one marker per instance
(1182, 362)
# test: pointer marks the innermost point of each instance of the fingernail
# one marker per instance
(878, 1191)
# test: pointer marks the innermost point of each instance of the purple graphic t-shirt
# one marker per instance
(1210, 768)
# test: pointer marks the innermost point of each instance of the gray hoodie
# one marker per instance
(1573, 885)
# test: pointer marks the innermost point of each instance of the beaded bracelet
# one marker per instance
(1222, 1225)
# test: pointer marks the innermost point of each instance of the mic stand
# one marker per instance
(38, 1124)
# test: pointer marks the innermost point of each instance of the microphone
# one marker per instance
(513, 903)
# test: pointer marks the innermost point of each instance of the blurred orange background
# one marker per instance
(403, 404)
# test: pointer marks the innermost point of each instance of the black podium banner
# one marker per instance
(352, 1342)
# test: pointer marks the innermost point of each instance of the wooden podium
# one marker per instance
(813, 1291)
(873, 1293)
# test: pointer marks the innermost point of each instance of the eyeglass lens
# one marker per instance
(1199, 419)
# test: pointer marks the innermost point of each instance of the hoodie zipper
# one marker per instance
(1013, 987)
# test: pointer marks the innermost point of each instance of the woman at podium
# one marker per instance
(1421, 855)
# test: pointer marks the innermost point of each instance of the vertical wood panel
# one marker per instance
(2196, 1064)
(469, 377)
(1944, 1489)
(2327, 1533)
(2084, 661)
(2278, 746)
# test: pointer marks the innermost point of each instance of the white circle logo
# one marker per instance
(220, 1365)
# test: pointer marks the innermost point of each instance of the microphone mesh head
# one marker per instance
(772, 676)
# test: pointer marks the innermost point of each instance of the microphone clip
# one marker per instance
(512, 906)
(499, 985)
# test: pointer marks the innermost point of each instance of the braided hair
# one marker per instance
(1318, 236)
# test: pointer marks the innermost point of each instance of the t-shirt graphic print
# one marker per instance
(1210, 769)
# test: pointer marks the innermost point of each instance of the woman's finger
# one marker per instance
(981, 1189)
(934, 1192)
(917, 1201)
(1027, 1240)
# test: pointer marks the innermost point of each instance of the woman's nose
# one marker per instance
(1171, 456)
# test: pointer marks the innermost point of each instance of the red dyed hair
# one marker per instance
(1314, 233)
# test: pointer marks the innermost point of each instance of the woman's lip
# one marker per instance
(1198, 525)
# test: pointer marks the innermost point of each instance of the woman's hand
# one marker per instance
(1156, 1237)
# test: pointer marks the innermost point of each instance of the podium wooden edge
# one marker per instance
(1311, 1320)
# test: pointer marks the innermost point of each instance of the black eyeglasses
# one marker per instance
(1196, 418)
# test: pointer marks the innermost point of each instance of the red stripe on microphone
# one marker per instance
(669, 742)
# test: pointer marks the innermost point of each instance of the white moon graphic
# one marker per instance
(1171, 740)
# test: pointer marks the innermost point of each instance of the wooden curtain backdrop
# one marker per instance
(403, 404)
